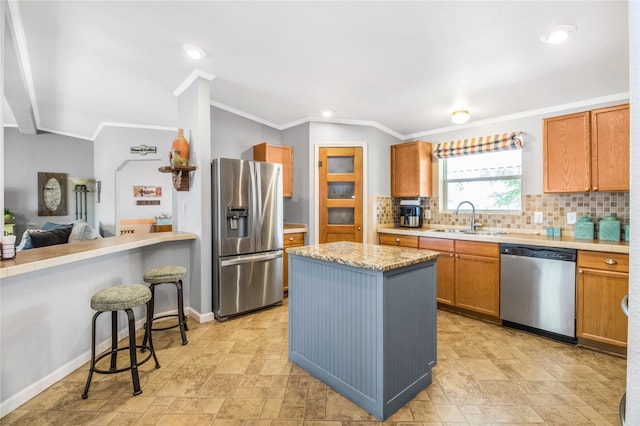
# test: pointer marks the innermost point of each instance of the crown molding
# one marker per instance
(190, 79)
(624, 96)
(130, 126)
(585, 103)
(244, 114)
(305, 120)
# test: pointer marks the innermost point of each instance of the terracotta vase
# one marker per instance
(181, 145)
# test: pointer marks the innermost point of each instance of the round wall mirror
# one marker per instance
(52, 194)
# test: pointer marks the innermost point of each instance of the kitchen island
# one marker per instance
(362, 319)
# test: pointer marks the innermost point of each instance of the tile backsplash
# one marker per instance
(554, 208)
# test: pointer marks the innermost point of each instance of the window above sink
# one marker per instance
(491, 181)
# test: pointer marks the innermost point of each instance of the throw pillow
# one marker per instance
(78, 231)
(50, 238)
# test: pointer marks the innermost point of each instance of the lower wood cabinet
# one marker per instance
(398, 240)
(468, 274)
(603, 280)
(290, 240)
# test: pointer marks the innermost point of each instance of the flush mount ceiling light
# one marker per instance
(460, 116)
(194, 52)
(557, 34)
(328, 113)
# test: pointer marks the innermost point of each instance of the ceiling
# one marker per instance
(402, 65)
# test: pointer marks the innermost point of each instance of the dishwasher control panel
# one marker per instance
(539, 252)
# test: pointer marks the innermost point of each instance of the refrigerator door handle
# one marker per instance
(254, 198)
(251, 258)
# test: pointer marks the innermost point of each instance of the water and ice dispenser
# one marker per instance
(237, 222)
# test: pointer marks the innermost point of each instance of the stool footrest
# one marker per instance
(127, 368)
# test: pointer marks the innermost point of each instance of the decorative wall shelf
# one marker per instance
(179, 175)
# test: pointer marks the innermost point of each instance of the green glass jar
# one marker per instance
(609, 229)
(584, 228)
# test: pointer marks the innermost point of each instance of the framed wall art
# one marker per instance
(147, 191)
(52, 194)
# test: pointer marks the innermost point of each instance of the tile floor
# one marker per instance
(236, 373)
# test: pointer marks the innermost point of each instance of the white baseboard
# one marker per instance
(16, 400)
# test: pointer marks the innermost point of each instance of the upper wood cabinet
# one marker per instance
(610, 148)
(587, 151)
(280, 154)
(411, 169)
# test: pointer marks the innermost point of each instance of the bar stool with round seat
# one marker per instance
(114, 299)
(168, 275)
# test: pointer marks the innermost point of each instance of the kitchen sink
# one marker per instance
(469, 231)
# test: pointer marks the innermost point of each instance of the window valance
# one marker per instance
(479, 145)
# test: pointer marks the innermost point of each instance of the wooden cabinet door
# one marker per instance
(281, 155)
(445, 274)
(411, 169)
(445, 267)
(477, 284)
(600, 317)
(610, 148)
(567, 153)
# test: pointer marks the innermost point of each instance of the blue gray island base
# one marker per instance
(368, 334)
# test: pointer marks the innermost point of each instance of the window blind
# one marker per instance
(479, 145)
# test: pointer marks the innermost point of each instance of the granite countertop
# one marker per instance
(512, 237)
(366, 256)
(294, 228)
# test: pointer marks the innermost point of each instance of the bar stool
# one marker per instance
(167, 275)
(114, 299)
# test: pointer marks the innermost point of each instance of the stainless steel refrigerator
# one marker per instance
(247, 236)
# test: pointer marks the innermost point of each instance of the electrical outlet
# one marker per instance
(537, 217)
(427, 214)
(571, 218)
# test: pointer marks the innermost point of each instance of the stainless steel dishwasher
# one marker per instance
(538, 290)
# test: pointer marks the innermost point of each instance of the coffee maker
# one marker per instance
(410, 216)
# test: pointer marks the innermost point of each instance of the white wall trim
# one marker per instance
(25, 395)
(244, 114)
(306, 120)
(619, 97)
(586, 103)
(104, 124)
(195, 74)
(314, 186)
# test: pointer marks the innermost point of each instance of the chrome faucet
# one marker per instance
(473, 213)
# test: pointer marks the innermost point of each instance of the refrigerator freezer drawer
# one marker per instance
(249, 282)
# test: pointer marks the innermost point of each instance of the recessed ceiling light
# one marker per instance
(194, 52)
(460, 116)
(328, 113)
(557, 34)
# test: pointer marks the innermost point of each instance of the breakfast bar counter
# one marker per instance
(45, 311)
(362, 319)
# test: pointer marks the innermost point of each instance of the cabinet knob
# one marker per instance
(595, 188)
(457, 255)
(397, 240)
(580, 271)
(450, 254)
(610, 262)
(586, 189)
(290, 238)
